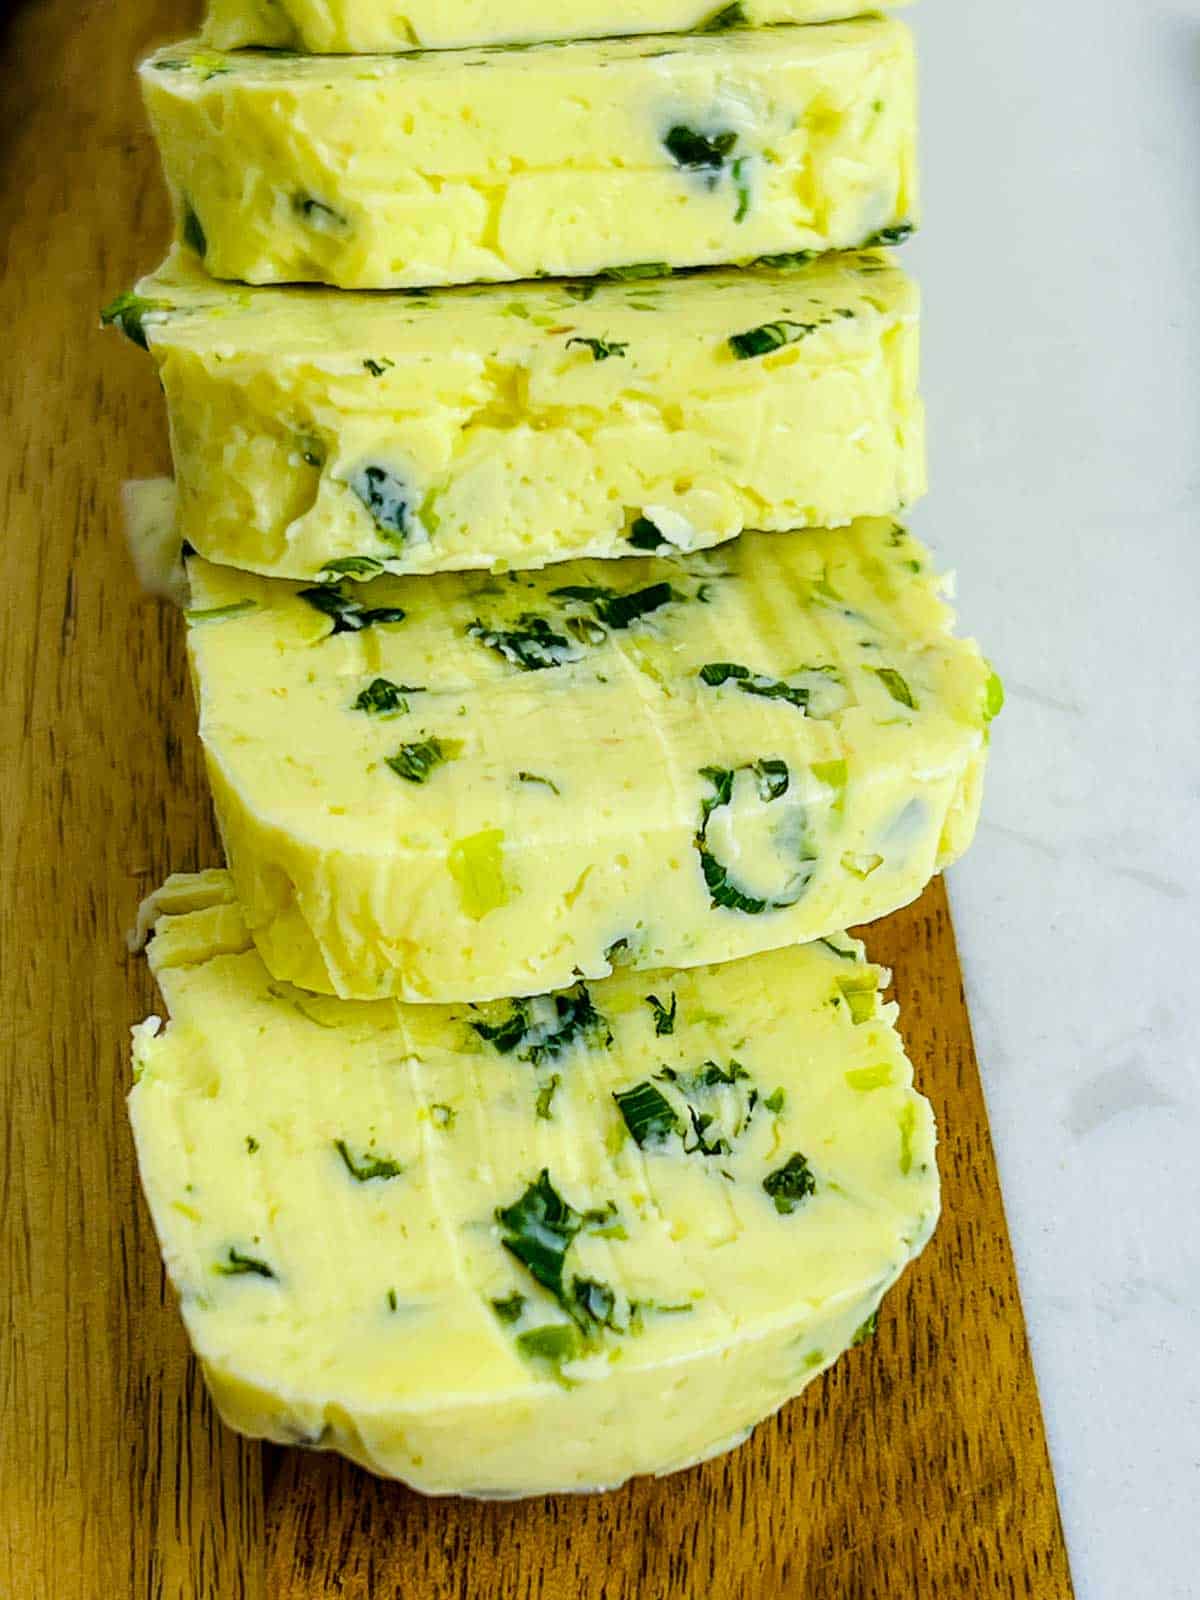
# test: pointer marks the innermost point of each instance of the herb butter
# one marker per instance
(490, 428)
(459, 787)
(511, 1250)
(375, 172)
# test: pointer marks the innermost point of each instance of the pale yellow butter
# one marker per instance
(460, 787)
(342, 1192)
(468, 166)
(501, 427)
(332, 27)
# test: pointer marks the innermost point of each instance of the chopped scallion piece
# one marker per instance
(790, 1184)
(367, 1167)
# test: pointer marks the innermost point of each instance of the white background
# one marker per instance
(1060, 261)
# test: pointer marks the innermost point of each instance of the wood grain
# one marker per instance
(918, 1467)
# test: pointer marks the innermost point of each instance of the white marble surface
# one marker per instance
(1060, 259)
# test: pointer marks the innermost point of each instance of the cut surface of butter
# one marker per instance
(517, 1249)
(340, 27)
(461, 787)
(445, 167)
(492, 428)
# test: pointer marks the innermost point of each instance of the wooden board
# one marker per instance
(917, 1468)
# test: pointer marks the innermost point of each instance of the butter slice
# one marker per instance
(340, 27)
(457, 787)
(493, 428)
(471, 166)
(325, 1178)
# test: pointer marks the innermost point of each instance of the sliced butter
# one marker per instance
(435, 1240)
(458, 787)
(492, 428)
(375, 172)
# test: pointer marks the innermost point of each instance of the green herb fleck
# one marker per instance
(786, 259)
(192, 232)
(616, 610)
(601, 349)
(532, 645)
(701, 1122)
(204, 63)
(317, 214)
(510, 1308)
(129, 311)
(392, 1302)
(789, 1184)
(648, 1114)
(866, 1330)
(595, 1300)
(699, 152)
(732, 16)
(860, 864)
(772, 780)
(741, 187)
(378, 365)
(547, 1026)
(415, 762)
(908, 1126)
(235, 608)
(367, 1167)
(555, 1343)
(251, 1144)
(895, 686)
(775, 1102)
(538, 1229)
(865, 1079)
(348, 615)
(663, 1308)
(545, 1096)
(237, 1265)
(715, 673)
(637, 271)
(896, 234)
(664, 1018)
(359, 567)
(709, 1075)
(722, 890)
(383, 698)
(643, 535)
(505, 1036)
(770, 336)
(605, 1222)
(834, 775)
(386, 498)
(993, 696)
(208, 65)
(859, 992)
(533, 777)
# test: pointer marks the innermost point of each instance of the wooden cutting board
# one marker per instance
(917, 1469)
